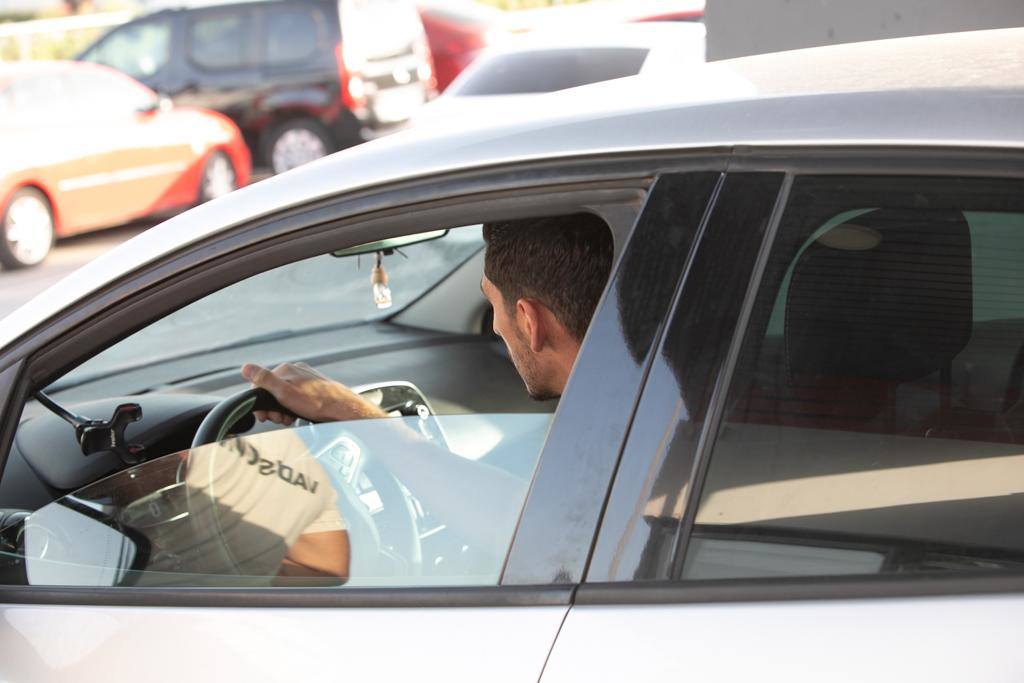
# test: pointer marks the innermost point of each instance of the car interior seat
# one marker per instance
(873, 325)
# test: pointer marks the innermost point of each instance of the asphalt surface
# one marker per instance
(18, 286)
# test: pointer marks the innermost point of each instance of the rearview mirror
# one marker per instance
(390, 243)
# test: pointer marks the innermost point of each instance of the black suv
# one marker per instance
(301, 78)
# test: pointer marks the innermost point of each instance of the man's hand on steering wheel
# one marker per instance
(307, 393)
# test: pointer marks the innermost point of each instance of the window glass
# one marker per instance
(640, 531)
(381, 502)
(106, 94)
(323, 294)
(538, 71)
(147, 466)
(138, 49)
(39, 97)
(875, 422)
(292, 34)
(222, 40)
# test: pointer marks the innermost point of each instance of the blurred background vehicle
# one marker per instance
(301, 78)
(86, 147)
(457, 31)
(572, 16)
(514, 71)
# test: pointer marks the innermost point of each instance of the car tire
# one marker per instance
(218, 177)
(27, 231)
(296, 142)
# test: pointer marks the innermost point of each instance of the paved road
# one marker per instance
(18, 286)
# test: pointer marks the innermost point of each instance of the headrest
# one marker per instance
(886, 296)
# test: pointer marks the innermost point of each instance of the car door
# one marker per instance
(823, 479)
(221, 62)
(498, 628)
(139, 154)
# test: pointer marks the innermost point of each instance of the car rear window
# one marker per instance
(550, 70)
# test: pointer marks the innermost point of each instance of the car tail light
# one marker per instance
(425, 72)
(353, 87)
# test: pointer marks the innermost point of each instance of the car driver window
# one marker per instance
(874, 421)
(140, 49)
(292, 430)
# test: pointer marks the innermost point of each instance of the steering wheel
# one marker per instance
(397, 517)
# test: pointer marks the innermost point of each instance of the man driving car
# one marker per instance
(543, 278)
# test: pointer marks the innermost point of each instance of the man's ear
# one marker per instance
(532, 321)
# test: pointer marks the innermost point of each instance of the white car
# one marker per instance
(791, 448)
(506, 78)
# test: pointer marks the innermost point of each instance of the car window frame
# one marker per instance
(135, 300)
(866, 160)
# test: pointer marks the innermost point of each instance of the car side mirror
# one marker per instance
(65, 546)
(158, 104)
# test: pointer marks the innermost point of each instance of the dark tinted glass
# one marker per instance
(594, 413)
(550, 70)
(292, 34)
(222, 40)
(875, 423)
(644, 513)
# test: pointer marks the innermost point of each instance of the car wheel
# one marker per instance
(218, 177)
(295, 143)
(27, 232)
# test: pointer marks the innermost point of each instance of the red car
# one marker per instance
(457, 32)
(86, 147)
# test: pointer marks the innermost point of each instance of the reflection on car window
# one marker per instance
(139, 49)
(38, 97)
(106, 94)
(221, 41)
(538, 71)
(876, 424)
(319, 293)
(416, 501)
(292, 34)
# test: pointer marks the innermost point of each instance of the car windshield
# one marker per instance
(317, 294)
(538, 71)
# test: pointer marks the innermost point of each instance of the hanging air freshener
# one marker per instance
(379, 280)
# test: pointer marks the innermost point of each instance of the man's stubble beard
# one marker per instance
(528, 368)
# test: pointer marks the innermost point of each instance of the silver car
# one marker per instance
(792, 446)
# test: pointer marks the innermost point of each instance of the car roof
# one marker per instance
(955, 90)
(640, 35)
(665, 45)
(155, 7)
(12, 71)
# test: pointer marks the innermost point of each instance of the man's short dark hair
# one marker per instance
(561, 261)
